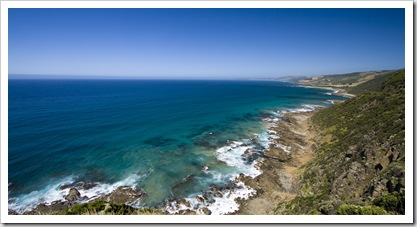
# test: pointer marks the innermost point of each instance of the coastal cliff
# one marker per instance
(358, 162)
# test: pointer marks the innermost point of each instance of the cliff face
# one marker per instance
(358, 166)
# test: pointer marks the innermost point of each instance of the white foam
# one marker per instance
(266, 139)
(232, 156)
(217, 205)
(102, 189)
(218, 177)
(47, 195)
(304, 108)
(227, 203)
(331, 101)
(52, 193)
(287, 149)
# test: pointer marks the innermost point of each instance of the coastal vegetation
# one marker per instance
(354, 83)
(107, 208)
(358, 167)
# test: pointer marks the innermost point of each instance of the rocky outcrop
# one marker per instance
(79, 185)
(279, 179)
(73, 195)
(122, 195)
(54, 208)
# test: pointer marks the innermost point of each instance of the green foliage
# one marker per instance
(395, 82)
(86, 208)
(105, 208)
(358, 135)
(377, 114)
(315, 212)
(371, 85)
(346, 209)
(347, 80)
(392, 202)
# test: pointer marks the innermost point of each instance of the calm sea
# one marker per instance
(150, 134)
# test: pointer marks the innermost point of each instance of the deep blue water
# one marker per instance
(149, 134)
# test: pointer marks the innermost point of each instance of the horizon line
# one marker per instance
(24, 76)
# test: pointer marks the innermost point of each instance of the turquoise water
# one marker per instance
(149, 134)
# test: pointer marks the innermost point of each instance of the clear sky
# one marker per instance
(210, 43)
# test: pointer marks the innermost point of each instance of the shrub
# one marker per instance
(394, 202)
(346, 209)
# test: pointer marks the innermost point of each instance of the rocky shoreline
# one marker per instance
(120, 195)
(282, 164)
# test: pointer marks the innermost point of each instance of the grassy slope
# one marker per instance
(359, 163)
(351, 82)
(371, 85)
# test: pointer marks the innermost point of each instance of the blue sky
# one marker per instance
(206, 43)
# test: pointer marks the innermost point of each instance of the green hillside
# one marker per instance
(358, 166)
(371, 85)
(354, 83)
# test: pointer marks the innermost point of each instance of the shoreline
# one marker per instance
(281, 169)
(336, 90)
(282, 164)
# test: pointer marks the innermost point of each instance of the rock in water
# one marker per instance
(205, 211)
(121, 195)
(73, 195)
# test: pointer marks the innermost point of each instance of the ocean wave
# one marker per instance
(57, 192)
(216, 201)
(304, 108)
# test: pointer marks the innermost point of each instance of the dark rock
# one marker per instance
(187, 212)
(184, 202)
(121, 195)
(348, 155)
(398, 187)
(54, 208)
(218, 195)
(87, 186)
(205, 211)
(78, 185)
(390, 158)
(65, 186)
(390, 186)
(378, 167)
(206, 196)
(199, 199)
(73, 195)
(12, 212)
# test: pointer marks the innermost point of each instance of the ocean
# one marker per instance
(169, 138)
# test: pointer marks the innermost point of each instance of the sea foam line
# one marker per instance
(52, 193)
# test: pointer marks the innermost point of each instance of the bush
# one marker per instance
(346, 209)
(105, 208)
(86, 208)
(394, 202)
(315, 212)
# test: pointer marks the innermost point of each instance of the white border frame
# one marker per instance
(407, 218)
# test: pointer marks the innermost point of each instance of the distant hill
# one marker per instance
(354, 83)
(358, 166)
